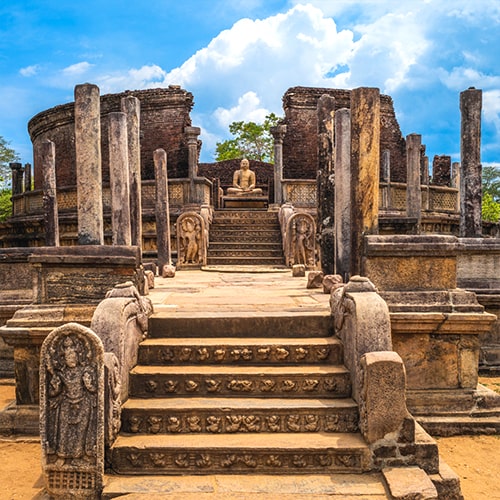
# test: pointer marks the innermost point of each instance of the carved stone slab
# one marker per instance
(72, 412)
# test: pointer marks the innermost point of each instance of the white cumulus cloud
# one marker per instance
(77, 69)
(30, 70)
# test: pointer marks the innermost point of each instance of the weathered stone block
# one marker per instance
(382, 396)
(409, 483)
(298, 270)
(314, 279)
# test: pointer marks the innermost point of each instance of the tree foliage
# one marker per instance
(251, 140)
(7, 155)
(491, 193)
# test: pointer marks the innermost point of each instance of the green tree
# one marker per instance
(7, 155)
(491, 193)
(251, 140)
(491, 181)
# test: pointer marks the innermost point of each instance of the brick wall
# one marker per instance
(164, 114)
(300, 145)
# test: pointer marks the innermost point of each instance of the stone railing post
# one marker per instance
(51, 217)
(131, 106)
(362, 322)
(119, 179)
(88, 164)
(162, 210)
(278, 134)
(413, 190)
(343, 192)
(470, 157)
(365, 168)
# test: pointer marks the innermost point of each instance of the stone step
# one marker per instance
(237, 381)
(255, 252)
(245, 261)
(276, 351)
(238, 415)
(245, 215)
(242, 323)
(264, 453)
(243, 246)
(368, 486)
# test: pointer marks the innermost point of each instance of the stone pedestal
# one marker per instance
(69, 282)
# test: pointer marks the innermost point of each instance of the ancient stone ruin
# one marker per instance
(120, 198)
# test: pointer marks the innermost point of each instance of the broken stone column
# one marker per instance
(343, 192)
(365, 167)
(72, 412)
(192, 134)
(131, 106)
(326, 182)
(278, 134)
(17, 177)
(27, 177)
(470, 156)
(162, 211)
(88, 164)
(119, 179)
(51, 218)
(413, 164)
(424, 166)
(455, 181)
(441, 170)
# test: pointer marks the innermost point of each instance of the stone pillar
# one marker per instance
(192, 134)
(131, 106)
(88, 164)
(27, 177)
(278, 134)
(385, 174)
(455, 181)
(424, 166)
(162, 211)
(119, 179)
(17, 177)
(413, 166)
(326, 182)
(470, 155)
(441, 170)
(365, 167)
(342, 192)
(51, 218)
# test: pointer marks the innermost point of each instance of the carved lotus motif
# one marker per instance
(220, 354)
(301, 353)
(158, 459)
(263, 353)
(273, 423)
(282, 353)
(185, 354)
(171, 386)
(151, 386)
(194, 424)
(203, 354)
(191, 386)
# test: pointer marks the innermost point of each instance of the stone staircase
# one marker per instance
(251, 404)
(240, 395)
(245, 237)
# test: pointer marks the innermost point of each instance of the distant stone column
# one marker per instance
(342, 192)
(385, 174)
(192, 134)
(365, 167)
(162, 211)
(278, 134)
(470, 155)
(413, 166)
(27, 177)
(131, 106)
(88, 164)
(441, 170)
(47, 154)
(119, 178)
(326, 182)
(455, 181)
(17, 177)
(424, 166)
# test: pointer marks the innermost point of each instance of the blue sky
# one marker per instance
(238, 57)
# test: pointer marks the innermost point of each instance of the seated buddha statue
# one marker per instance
(244, 181)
